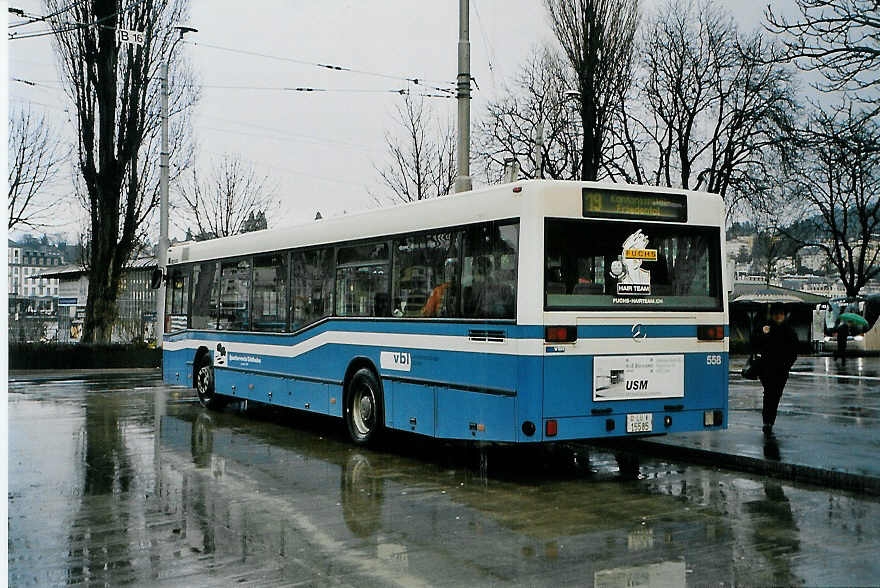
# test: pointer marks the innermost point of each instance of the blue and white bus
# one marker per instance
(528, 312)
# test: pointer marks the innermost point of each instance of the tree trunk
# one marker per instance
(102, 302)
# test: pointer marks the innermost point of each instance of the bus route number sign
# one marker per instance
(638, 205)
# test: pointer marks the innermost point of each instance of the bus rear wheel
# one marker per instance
(363, 407)
(205, 386)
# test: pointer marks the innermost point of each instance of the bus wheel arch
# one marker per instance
(363, 404)
(203, 380)
(202, 355)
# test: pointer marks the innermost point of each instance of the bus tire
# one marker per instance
(204, 386)
(363, 407)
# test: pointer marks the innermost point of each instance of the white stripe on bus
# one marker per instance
(402, 341)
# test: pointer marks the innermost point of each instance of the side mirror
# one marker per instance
(156, 279)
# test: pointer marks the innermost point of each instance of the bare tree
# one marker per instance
(35, 154)
(709, 113)
(773, 242)
(422, 161)
(232, 199)
(834, 192)
(840, 39)
(541, 93)
(115, 90)
(597, 37)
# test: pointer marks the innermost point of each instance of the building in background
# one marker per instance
(136, 304)
(27, 259)
(47, 298)
(32, 299)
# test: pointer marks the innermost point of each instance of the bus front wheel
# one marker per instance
(363, 407)
(205, 387)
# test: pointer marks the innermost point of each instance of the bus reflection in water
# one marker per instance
(236, 490)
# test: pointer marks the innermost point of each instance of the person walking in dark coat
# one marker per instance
(777, 343)
(842, 334)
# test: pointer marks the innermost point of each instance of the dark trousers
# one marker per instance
(773, 385)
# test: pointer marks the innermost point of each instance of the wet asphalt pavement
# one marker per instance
(825, 433)
(119, 479)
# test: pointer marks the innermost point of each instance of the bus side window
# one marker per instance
(311, 286)
(489, 271)
(425, 280)
(235, 280)
(177, 299)
(270, 292)
(362, 290)
(205, 298)
(362, 280)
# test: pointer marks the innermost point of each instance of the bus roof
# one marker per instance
(497, 202)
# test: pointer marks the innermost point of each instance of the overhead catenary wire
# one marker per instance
(32, 18)
(38, 84)
(445, 88)
(440, 86)
(289, 171)
(490, 51)
(76, 26)
(43, 104)
(55, 85)
(289, 137)
(305, 89)
(284, 133)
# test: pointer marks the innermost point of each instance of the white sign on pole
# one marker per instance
(133, 37)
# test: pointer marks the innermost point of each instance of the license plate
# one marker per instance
(640, 422)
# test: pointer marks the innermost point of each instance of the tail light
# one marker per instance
(710, 332)
(560, 334)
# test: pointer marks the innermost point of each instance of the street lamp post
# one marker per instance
(575, 97)
(163, 195)
(539, 150)
(163, 210)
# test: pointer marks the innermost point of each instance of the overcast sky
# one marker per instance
(320, 148)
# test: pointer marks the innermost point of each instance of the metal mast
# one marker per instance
(463, 180)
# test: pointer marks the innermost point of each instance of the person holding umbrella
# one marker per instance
(849, 323)
(777, 343)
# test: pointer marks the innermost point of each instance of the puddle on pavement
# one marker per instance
(145, 486)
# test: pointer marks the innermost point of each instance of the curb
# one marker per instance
(776, 469)
(82, 374)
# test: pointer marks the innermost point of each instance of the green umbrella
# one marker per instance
(854, 320)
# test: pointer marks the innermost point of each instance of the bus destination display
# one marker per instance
(638, 205)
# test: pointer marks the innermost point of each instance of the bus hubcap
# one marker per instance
(366, 408)
(363, 411)
(204, 380)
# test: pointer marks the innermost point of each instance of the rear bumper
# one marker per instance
(614, 425)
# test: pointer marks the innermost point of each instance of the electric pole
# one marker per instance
(163, 192)
(463, 180)
(163, 210)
